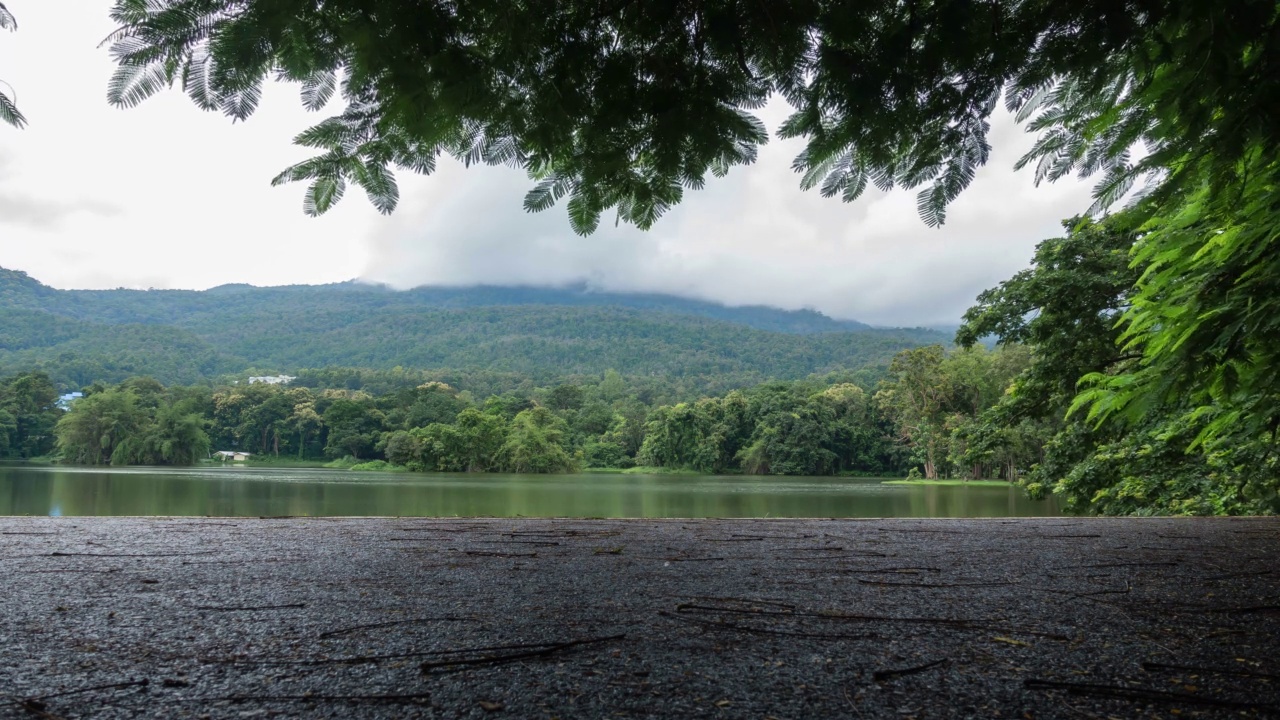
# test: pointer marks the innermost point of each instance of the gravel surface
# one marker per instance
(373, 618)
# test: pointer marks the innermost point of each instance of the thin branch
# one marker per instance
(886, 674)
(393, 623)
(246, 608)
(1155, 666)
(510, 657)
(1119, 692)
(764, 631)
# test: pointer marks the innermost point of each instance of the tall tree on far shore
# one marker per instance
(916, 399)
(102, 428)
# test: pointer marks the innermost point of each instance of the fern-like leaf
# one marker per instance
(132, 83)
(9, 112)
(380, 185)
(240, 104)
(322, 194)
(317, 89)
(583, 218)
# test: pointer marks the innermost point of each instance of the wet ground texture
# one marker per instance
(372, 618)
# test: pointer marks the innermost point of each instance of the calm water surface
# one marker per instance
(253, 492)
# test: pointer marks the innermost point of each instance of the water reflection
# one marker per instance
(255, 492)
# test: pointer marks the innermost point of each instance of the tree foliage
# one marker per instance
(626, 106)
(102, 428)
(1074, 309)
(8, 110)
(28, 412)
(818, 426)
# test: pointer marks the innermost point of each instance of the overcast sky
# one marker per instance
(168, 196)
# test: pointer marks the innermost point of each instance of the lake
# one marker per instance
(252, 492)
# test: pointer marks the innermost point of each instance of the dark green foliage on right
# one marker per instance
(1067, 308)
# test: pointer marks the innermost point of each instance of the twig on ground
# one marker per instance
(550, 649)
(37, 708)
(487, 553)
(1155, 666)
(1121, 564)
(886, 674)
(109, 686)
(133, 555)
(895, 570)
(831, 557)
(564, 533)
(1248, 610)
(934, 585)
(742, 601)
(765, 631)
(393, 623)
(367, 659)
(246, 608)
(1232, 576)
(1119, 692)
(837, 616)
(392, 698)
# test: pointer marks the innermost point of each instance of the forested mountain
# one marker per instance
(17, 289)
(184, 336)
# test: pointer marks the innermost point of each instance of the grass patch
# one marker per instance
(379, 466)
(44, 460)
(342, 463)
(974, 483)
(283, 462)
(660, 471)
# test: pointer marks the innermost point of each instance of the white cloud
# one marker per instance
(193, 208)
(752, 237)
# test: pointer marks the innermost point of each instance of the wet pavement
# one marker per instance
(371, 618)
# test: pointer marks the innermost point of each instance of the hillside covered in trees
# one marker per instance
(184, 336)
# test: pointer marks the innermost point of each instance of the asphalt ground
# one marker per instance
(545, 618)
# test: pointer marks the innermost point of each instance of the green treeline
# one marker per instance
(819, 426)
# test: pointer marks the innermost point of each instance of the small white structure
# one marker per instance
(272, 379)
(64, 401)
(232, 455)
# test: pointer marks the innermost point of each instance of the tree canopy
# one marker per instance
(624, 105)
(1173, 457)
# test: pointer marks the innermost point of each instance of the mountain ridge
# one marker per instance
(192, 335)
